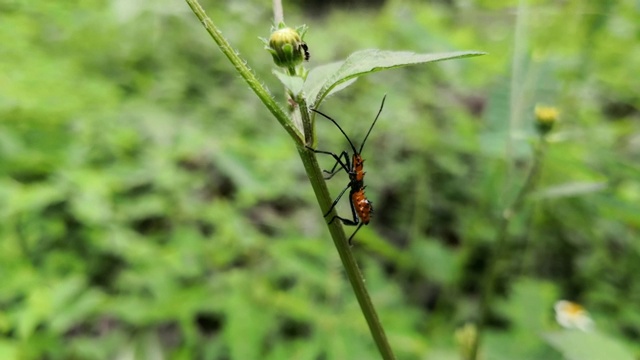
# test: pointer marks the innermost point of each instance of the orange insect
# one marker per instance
(361, 207)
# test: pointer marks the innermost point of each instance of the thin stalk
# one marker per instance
(495, 259)
(315, 175)
(346, 256)
(307, 124)
(246, 73)
(278, 13)
(516, 101)
(516, 96)
(349, 263)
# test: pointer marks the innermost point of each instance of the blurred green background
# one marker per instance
(151, 207)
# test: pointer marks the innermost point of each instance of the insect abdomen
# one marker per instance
(364, 207)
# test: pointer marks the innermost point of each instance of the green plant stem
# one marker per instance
(278, 13)
(307, 124)
(346, 256)
(315, 177)
(495, 259)
(245, 72)
(340, 241)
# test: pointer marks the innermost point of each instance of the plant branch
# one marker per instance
(307, 124)
(336, 230)
(278, 14)
(346, 256)
(495, 259)
(313, 172)
(245, 72)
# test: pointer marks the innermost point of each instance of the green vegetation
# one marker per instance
(151, 207)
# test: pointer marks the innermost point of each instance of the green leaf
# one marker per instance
(292, 83)
(578, 345)
(317, 77)
(331, 78)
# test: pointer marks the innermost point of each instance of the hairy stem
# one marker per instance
(314, 173)
(307, 124)
(246, 73)
(346, 256)
(278, 14)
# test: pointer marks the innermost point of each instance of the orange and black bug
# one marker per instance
(361, 207)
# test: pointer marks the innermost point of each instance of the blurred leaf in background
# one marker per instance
(151, 208)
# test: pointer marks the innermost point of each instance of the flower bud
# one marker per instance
(546, 117)
(286, 46)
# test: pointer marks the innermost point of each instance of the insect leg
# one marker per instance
(333, 169)
(355, 221)
(354, 233)
(335, 202)
(344, 165)
(350, 222)
(344, 221)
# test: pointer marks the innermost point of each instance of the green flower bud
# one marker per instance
(546, 117)
(286, 46)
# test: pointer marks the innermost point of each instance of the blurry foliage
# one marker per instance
(150, 208)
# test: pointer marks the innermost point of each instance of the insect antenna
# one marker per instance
(345, 135)
(342, 131)
(374, 122)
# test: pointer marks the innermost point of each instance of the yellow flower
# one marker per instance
(571, 315)
(546, 117)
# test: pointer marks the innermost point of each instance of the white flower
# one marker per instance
(573, 316)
